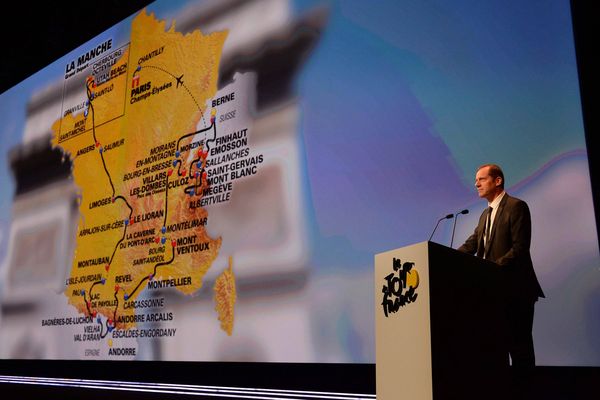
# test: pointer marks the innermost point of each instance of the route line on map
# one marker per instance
(200, 163)
(191, 190)
(90, 97)
(166, 200)
(179, 82)
(151, 276)
(124, 230)
(212, 126)
(103, 280)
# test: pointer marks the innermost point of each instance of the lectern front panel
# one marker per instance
(403, 339)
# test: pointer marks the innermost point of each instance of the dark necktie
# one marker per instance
(488, 224)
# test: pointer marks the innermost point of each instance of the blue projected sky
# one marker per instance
(428, 92)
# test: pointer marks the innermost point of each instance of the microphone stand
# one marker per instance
(454, 225)
(436, 225)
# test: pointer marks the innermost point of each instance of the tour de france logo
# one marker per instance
(400, 286)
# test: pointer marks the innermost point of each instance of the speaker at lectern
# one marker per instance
(440, 325)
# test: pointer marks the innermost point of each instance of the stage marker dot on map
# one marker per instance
(174, 163)
(82, 292)
(177, 154)
(199, 153)
(126, 222)
(173, 243)
(85, 112)
(131, 221)
(204, 174)
(98, 320)
(125, 296)
(107, 267)
(183, 173)
(101, 150)
(150, 277)
(199, 164)
(163, 229)
(197, 174)
(88, 303)
(94, 313)
(103, 281)
(157, 239)
(97, 144)
(170, 172)
(163, 240)
(116, 288)
(139, 68)
(191, 191)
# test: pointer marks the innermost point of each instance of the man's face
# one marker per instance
(487, 187)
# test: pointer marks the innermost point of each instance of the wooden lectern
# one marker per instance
(440, 325)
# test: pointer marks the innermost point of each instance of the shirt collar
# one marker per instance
(496, 202)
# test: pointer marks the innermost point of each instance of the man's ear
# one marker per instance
(498, 181)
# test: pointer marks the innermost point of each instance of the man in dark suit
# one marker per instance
(503, 235)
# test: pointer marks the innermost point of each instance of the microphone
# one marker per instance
(465, 211)
(440, 220)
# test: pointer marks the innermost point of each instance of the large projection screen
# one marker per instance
(210, 180)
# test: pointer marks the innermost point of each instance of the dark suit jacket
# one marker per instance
(509, 247)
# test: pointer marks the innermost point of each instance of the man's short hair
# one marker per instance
(494, 171)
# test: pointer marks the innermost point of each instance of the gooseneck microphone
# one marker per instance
(440, 220)
(465, 211)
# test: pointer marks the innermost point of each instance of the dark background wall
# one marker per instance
(34, 34)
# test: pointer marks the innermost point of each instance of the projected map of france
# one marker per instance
(152, 144)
